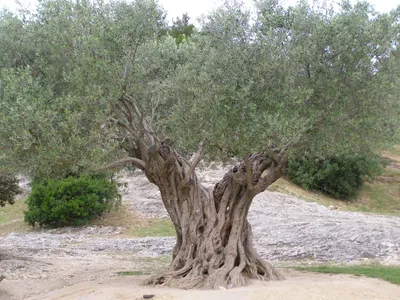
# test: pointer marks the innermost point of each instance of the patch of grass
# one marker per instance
(381, 196)
(143, 265)
(132, 273)
(394, 151)
(123, 217)
(12, 218)
(285, 186)
(13, 212)
(136, 226)
(392, 172)
(156, 228)
(390, 274)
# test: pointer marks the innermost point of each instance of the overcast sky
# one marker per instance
(195, 8)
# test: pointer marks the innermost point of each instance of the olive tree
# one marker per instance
(105, 88)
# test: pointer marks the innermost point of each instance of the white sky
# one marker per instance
(195, 8)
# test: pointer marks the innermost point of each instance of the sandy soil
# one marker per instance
(298, 285)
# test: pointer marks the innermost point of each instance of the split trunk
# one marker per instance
(214, 246)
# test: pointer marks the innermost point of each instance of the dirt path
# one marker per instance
(299, 286)
(81, 263)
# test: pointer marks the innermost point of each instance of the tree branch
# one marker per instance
(141, 145)
(138, 162)
(266, 181)
(249, 173)
(134, 105)
(275, 172)
(149, 132)
(146, 127)
(33, 63)
(333, 56)
(153, 109)
(125, 126)
(127, 112)
(272, 154)
(193, 163)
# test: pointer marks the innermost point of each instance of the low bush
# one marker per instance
(340, 177)
(71, 201)
(9, 188)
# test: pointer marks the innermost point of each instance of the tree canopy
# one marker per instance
(327, 79)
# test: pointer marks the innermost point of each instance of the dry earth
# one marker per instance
(297, 286)
(81, 263)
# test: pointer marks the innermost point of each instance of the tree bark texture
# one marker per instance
(214, 245)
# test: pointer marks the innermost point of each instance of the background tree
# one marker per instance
(276, 84)
(181, 29)
(9, 188)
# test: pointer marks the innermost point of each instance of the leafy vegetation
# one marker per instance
(71, 201)
(9, 188)
(388, 273)
(378, 196)
(181, 30)
(340, 177)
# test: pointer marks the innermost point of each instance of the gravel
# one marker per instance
(286, 230)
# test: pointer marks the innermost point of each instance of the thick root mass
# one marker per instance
(233, 267)
(200, 274)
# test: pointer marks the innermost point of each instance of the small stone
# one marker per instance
(222, 288)
(148, 296)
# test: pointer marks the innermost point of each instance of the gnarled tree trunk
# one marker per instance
(214, 245)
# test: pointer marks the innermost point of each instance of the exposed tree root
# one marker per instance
(214, 240)
(199, 274)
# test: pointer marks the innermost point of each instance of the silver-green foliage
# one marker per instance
(321, 80)
(57, 98)
(331, 77)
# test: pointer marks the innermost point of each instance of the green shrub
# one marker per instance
(340, 177)
(9, 188)
(71, 201)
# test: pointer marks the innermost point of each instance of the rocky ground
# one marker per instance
(290, 229)
(287, 231)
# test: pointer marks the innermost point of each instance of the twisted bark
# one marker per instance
(214, 245)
